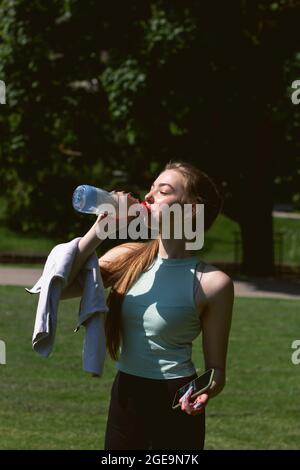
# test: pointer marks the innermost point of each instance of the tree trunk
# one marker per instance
(257, 235)
(256, 205)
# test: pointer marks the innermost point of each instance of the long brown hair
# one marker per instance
(127, 268)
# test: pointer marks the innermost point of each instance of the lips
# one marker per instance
(145, 204)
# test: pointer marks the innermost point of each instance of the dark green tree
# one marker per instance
(95, 87)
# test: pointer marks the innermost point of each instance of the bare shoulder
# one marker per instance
(213, 284)
(215, 281)
(117, 251)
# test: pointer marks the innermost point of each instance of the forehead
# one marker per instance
(172, 177)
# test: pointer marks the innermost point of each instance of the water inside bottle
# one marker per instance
(79, 198)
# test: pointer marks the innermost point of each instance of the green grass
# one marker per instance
(53, 404)
(22, 265)
(218, 242)
(16, 242)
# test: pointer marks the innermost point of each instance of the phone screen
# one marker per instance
(199, 384)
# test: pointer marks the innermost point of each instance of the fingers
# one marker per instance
(185, 401)
(127, 194)
(197, 406)
(117, 195)
(101, 216)
(203, 398)
(200, 402)
(186, 395)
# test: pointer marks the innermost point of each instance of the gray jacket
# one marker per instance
(91, 310)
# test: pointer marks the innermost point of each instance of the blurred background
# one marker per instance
(106, 93)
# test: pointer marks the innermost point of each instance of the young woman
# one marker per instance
(162, 297)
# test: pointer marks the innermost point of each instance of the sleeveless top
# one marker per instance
(160, 320)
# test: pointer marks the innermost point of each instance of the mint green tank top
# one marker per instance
(160, 321)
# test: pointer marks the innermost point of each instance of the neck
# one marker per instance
(173, 249)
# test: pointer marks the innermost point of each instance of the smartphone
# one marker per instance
(199, 384)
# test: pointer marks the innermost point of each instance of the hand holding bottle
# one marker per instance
(118, 217)
(123, 201)
(91, 200)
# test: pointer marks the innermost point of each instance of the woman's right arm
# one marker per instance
(86, 246)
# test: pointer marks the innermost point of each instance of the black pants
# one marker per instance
(141, 416)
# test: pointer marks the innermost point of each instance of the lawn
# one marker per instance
(16, 242)
(53, 404)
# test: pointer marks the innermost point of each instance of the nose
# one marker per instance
(149, 198)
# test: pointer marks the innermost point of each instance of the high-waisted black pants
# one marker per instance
(141, 416)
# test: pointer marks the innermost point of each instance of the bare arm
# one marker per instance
(92, 239)
(86, 247)
(216, 323)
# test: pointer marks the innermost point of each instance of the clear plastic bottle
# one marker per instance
(89, 199)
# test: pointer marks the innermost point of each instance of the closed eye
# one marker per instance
(161, 192)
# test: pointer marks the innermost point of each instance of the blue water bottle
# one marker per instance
(88, 199)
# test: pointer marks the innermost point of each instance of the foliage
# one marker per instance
(107, 92)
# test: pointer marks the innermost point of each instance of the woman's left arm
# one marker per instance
(216, 323)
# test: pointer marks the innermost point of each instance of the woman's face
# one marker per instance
(168, 188)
